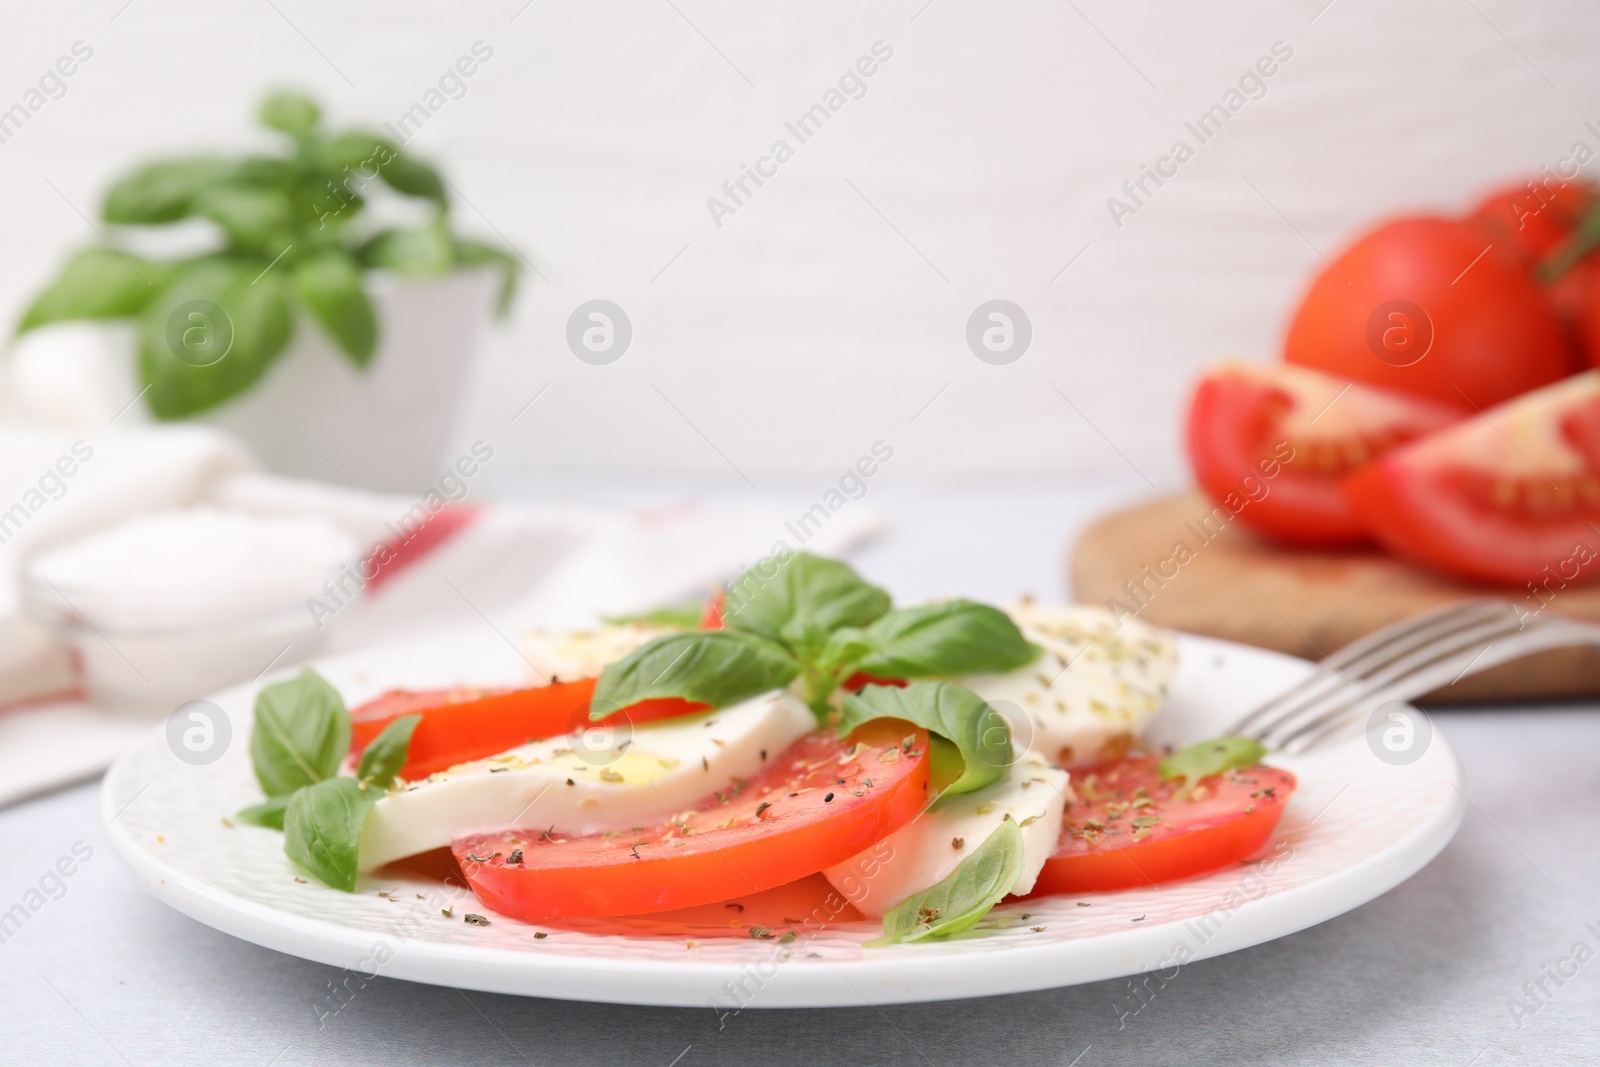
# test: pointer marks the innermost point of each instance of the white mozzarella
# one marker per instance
(927, 850)
(587, 782)
(1098, 682)
(583, 653)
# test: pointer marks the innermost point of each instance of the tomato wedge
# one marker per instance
(1128, 828)
(1272, 443)
(467, 724)
(1511, 497)
(820, 802)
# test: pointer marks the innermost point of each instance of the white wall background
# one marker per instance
(828, 312)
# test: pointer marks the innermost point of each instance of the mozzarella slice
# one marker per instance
(1097, 684)
(927, 850)
(587, 782)
(583, 653)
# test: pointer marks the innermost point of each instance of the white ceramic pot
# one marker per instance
(385, 426)
(314, 414)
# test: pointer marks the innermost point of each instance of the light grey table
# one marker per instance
(103, 974)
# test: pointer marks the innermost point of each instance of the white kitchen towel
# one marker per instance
(504, 566)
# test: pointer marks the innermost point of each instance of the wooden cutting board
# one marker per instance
(1225, 582)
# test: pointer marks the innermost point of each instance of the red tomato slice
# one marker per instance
(467, 724)
(820, 802)
(1431, 307)
(1272, 443)
(1511, 497)
(711, 616)
(1106, 842)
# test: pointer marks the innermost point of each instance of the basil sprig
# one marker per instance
(953, 716)
(957, 902)
(802, 616)
(1206, 758)
(285, 250)
(298, 742)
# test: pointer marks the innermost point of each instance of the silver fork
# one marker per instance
(1404, 660)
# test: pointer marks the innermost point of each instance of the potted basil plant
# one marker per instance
(336, 347)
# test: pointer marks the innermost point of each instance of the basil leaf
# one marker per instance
(410, 176)
(246, 317)
(330, 285)
(715, 667)
(806, 598)
(269, 813)
(162, 192)
(959, 716)
(955, 904)
(382, 760)
(1211, 757)
(683, 616)
(300, 736)
(477, 254)
(955, 637)
(255, 219)
(97, 283)
(290, 112)
(322, 828)
(422, 252)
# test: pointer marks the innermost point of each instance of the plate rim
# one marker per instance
(994, 971)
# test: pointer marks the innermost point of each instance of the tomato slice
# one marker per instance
(818, 803)
(467, 724)
(1272, 443)
(1511, 497)
(1128, 828)
(1434, 308)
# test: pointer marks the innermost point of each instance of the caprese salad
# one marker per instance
(928, 761)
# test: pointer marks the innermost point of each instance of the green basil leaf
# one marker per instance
(290, 112)
(409, 176)
(255, 219)
(301, 734)
(322, 828)
(477, 254)
(682, 617)
(715, 667)
(1211, 757)
(330, 285)
(959, 716)
(162, 192)
(362, 154)
(422, 252)
(955, 904)
(801, 599)
(947, 639)
(97, 283)
(368, 157)
(243, 313)
(268, 813)
(383, 758)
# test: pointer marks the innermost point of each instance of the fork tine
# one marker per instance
(1447, 648)
(1332, 673)
(1391, 672)
(1557, 633)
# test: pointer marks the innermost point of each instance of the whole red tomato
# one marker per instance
(1429, 306)
(1529, 220)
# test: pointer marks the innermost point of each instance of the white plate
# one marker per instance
(1356, 827)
